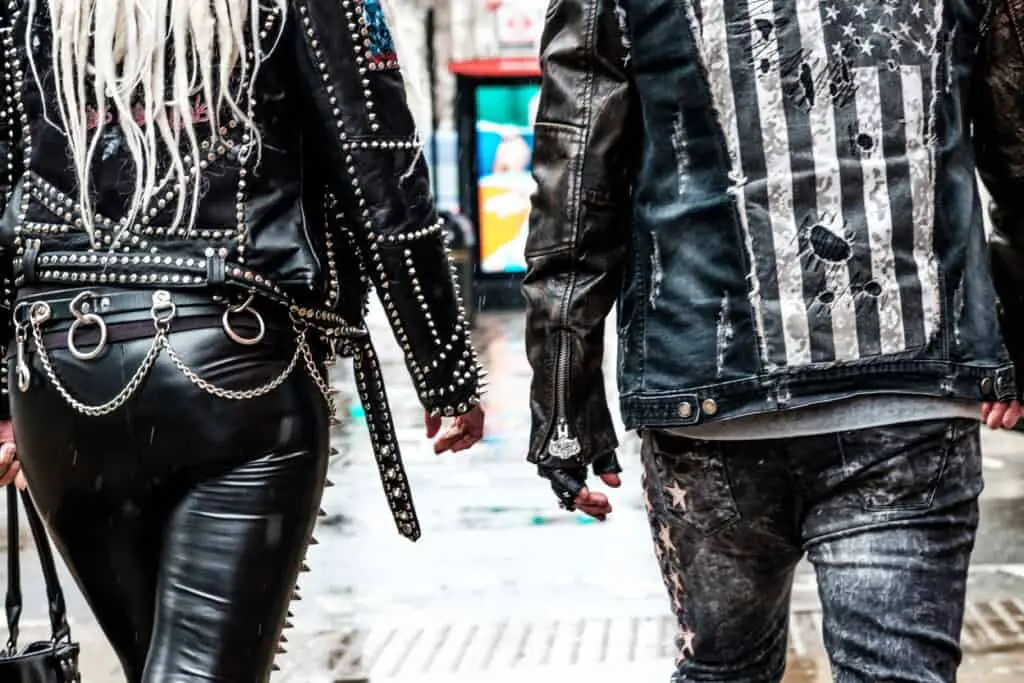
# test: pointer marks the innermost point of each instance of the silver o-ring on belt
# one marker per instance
(162, 312)
(245, 307)
(83, 316)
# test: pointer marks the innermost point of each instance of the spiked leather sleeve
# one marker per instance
(350, 71)
(10, 169)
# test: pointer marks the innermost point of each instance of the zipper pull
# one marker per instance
(564, 446)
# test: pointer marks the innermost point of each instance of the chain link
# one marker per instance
(236, 394)
(318, 378)
(122, 397)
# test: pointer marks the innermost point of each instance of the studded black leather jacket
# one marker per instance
(779, 198)
(332, 203)
(337, 199)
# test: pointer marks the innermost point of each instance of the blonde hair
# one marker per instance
(145, 63)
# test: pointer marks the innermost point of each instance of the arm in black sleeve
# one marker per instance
(997, 103)
(586, 141)
(363, 123)
(10, 171)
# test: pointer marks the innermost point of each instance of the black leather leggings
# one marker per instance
(184, 517)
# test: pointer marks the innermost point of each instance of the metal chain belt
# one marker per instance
(162, 311)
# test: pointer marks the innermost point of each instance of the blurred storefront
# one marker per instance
(496, 91)
(475, 95)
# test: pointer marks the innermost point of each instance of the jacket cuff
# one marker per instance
(1012, 322)
(588, 421)
(416, 280)
(1008, 277)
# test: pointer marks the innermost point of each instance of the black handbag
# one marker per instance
(45, 661)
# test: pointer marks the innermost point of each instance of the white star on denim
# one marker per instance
(665, 539)
(678, 495)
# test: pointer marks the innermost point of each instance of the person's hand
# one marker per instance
(1005, 415)
(10, 469)
(464, 431)
(570, 485)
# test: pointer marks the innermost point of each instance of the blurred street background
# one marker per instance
(504, 586)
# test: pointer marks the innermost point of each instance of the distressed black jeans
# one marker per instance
(886, 516)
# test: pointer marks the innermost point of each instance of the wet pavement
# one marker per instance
(504, 586)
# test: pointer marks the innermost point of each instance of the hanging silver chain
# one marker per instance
(122, 397)
(163, 313)
(318, 378)
(236, 394)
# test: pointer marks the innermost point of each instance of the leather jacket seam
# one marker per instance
(554, 250)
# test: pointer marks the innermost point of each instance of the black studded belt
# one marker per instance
(104, 315)
(190, 270)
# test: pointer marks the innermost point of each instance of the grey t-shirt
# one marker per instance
(859, 412)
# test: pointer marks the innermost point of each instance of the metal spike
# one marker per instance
(313, 541)
(275, 667)
(328, 483)
(281, 650)
(295, 596)
(288, 624)
(282, 639)
(304, 568)
(322, 513)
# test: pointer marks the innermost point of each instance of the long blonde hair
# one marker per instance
(145, 64)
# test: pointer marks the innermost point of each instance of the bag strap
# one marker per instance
(55, 596)
(13, 601)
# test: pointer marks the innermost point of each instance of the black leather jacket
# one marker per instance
(337, 201)
(781, 200)
(998, 106)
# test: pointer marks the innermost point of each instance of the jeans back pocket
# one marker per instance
(687, 481)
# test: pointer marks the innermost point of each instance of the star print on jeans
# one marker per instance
(665, 497)
(678, 495)
(665, 539)
(686, 638)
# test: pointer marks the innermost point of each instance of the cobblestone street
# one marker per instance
(505, 587)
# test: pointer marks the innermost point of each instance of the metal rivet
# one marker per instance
(987, 385)
(709, 406)
(685, 410)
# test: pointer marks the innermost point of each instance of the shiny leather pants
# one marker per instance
(184, 517)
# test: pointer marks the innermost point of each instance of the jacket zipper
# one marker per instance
(563, 445)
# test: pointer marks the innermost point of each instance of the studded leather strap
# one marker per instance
(374, 398)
